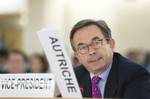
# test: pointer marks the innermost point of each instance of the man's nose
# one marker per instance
(92, 50)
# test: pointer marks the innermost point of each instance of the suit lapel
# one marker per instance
(85, 83)
(111, 84)
(88, 86)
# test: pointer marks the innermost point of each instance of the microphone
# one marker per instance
(82, 89)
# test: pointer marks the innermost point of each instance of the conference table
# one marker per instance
(47, 98)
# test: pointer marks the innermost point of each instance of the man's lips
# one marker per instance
(95, 60)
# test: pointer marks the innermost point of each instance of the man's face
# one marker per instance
(95, 60)
(36, 64)
(15, 63)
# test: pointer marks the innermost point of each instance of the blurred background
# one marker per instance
(21, 50)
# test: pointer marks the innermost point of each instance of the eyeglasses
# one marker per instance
(96, 43)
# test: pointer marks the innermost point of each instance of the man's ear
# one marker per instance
(76, 54)
(112, 43)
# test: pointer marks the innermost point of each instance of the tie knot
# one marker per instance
(96, 79)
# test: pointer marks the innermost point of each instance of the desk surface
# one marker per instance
(45, 98)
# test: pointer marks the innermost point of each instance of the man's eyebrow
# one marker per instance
(80, 44)
(96, 37)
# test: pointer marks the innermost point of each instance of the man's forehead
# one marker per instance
(86, 34)
(89, 40)
(14, 55)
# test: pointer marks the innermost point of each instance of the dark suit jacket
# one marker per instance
(125, 80)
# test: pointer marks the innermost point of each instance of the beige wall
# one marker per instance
(128, 19)
(133, 26)
(35, 21)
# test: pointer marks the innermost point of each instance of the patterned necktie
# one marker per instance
(95, 90)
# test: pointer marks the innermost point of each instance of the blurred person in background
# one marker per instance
(147, 61)
(136, 56)
(17, 62)
(3, 59)
(38, 64)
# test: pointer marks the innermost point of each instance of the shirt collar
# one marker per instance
(103, 75)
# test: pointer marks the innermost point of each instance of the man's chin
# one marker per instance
(97, 69)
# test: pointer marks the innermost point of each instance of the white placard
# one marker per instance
(40, 85)
(60, 63)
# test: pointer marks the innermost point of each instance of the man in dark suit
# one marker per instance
(104, 73)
